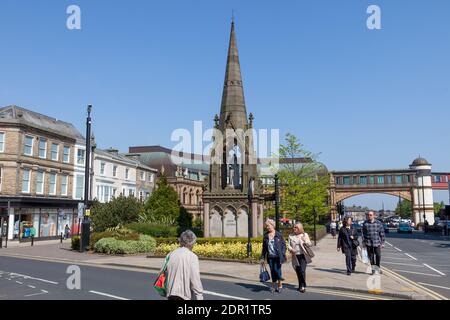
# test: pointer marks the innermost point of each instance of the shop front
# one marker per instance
(41, 219)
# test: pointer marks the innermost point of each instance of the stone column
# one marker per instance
(206, 219)
(261, 221)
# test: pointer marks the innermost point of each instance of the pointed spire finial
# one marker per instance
(232, 15)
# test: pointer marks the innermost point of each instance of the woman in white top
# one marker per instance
(296, 247)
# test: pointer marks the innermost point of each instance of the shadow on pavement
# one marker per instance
(339, 271)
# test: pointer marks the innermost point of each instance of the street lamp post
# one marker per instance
(423, 205)
(251, 190)
(315, 233)
(85, 227)
(277, 202)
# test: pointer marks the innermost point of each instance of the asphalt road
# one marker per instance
(422, 258)
(25, 279)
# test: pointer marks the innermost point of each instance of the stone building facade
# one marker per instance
(37, 156)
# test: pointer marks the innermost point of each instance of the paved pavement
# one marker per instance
(326, 275)
(422, 258)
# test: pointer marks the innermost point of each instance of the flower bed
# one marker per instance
(218, 250)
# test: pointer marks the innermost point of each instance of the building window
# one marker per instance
(127, 173)
(388, 180)
(42, 148)
(398, 179)
(66, 154)
(363, 180)
(26, 181)
(28, 146)
(380, 180)
(52, 184)
(102, 168)
(39, 182)
(81, 157)
(79, 188)
(1, 178)
(346, 180)
(2, 142)
(114, 171)
(64, 185)
(372, 180)
(142, 176)
(152, 178)
(55, 151)
(446, 179)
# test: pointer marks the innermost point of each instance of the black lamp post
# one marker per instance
(86, 225)
(315, 233)
(277, 202)
(251, 190)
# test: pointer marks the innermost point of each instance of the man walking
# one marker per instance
(373, 238)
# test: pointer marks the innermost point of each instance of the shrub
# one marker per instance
(75, 243)
(145, 244)
(154, 230)
(119, 210)
(120, 234)
(211, 240)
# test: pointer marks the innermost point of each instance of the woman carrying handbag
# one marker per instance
(299, 247)
(348, 243)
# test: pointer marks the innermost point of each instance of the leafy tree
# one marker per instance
(404, 209)
(118, 211)
(163, 206)
(304, 186)
(438, 206)
(184, 220)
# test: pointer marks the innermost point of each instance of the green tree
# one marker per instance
(184, 220)
(404, 209)
(438, 206)
(118, 211)
(163, 206)
(304, 185)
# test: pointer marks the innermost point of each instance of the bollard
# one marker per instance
(61, 237)
(32, 241)
(1, 242)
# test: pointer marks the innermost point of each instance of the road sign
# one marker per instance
(80, 210)
(88, 212)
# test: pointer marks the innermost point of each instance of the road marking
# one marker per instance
(19, 282)
(388, 244)
(108, 295)
(36, 294)
(32, 278)
(397, 249)
(223, 295)
(30, 286)
(441, 273)
(361, 296)
(433, 285)
(424, 274)
(404, 264)
(396, 258)
(410, 256)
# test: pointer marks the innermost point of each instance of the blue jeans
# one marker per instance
(275, 268)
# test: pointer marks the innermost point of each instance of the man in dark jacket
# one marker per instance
(347, 239)
(373, 237)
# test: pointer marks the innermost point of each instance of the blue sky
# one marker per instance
(364, 99)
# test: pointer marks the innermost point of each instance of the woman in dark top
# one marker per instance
(348, 243)
(274, 251)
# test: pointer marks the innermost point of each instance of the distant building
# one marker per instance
(116, 174)
(183, 174)
(357, 213)
(38, 180)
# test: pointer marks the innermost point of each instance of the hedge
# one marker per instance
(145, 244)
(75, 243)
(122, 234)
(173, 240)
(153, 230)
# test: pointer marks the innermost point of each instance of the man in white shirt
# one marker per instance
(183, 271)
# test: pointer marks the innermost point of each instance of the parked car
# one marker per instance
(404, 227)
(386, 227)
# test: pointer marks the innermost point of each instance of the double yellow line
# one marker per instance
(431, 293)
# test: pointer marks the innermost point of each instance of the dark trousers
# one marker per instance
(301, 270)
(374, 254)
(275, 268)
(350, 259)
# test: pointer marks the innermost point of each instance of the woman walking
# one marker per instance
(274, 252)
(300, 258)
(333, 229)
(348, 243)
